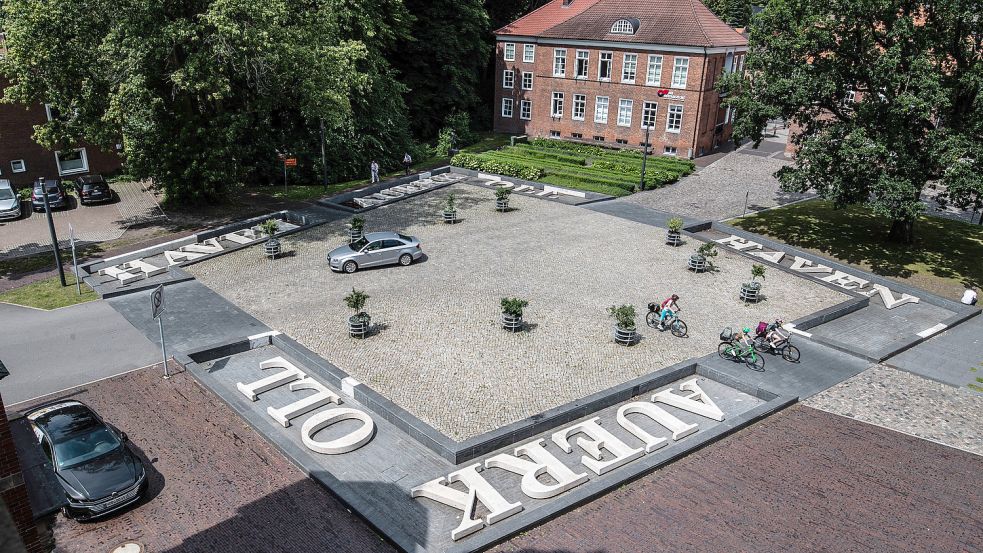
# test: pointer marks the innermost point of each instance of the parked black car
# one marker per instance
(93, 189)
(56, 194)
(90, 459)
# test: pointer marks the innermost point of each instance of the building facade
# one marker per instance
(608, 71)
(22, 160)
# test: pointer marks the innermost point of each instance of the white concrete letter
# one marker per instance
(542, 462)
(289, 374)
(774, 257)
(600, 439)
(803, 265)
(678, 428)
(888, 298)
(478, 490)
(349, 442)
(739, 243)
(323, 396)
(697, 401)
(844, 280)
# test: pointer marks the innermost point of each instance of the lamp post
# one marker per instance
(645, 152)
(51, 230)
(324, 163)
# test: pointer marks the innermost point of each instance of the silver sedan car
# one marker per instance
(374, 249)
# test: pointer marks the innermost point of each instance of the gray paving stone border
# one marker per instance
(335, 202)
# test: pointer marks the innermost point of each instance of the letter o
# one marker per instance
(349, 442)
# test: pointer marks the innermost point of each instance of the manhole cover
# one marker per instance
(128, 547)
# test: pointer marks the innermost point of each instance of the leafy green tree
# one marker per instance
(441, 62)
(203, 94)
(887, 93)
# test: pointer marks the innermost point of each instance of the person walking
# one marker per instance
(407, 161)
(374, 168)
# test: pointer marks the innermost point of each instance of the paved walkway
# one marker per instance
(954, 356)
(47, 351)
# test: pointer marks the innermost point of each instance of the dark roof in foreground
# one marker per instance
(669, 22)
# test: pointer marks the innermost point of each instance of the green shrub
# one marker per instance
(624, 316)
(479, 162)
(358, 222)
(675, 224)
(270, 227)
(356, 302)
(502, 193)
(513, 306)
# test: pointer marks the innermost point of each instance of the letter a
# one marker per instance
(697, 401)
(478, 490)
(542, 462)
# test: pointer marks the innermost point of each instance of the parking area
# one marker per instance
(440, 351)
(92, 223)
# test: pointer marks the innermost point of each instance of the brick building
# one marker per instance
(19, 529)
(22, 160)
(604, 71)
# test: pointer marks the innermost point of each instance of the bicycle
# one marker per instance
(733, 350)
(785, 348)
(676, 325)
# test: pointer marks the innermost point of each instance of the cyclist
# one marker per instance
(745, 339)
(774, 335)
(668, 307)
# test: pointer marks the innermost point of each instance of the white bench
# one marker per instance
(119, 274)
(142, 266)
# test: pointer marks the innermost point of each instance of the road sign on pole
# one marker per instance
(75, 263)
(157, 304)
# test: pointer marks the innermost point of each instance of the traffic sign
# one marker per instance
(290, 162)
(157, 301)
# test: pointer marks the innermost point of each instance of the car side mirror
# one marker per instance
(124, 437)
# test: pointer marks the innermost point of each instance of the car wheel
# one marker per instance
(349, 267)
(405, 260)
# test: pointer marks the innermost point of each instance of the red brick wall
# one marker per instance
(16, 129)
(14, 492)
(701, 112)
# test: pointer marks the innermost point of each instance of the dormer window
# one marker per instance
(624, 27)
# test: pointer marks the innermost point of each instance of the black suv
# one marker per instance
(56, 194)
(93, 189)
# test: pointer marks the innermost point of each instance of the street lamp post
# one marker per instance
(645, 152)
(324, 163)
(51, 230)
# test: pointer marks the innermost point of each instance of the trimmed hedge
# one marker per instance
(476, 162)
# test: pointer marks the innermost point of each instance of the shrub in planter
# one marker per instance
(750, 291)
(356, 228)
(270, 228)
(502, 198)
(450, 211)
(624, 323)
(358, 324)
(673, 237)
(512, 313)
(700, 261)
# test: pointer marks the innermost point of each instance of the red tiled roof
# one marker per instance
(672, 22)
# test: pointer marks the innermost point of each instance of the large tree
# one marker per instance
(886, 94)
(203, 93)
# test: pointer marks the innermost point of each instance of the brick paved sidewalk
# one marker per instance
(801, 480)
(215, 484)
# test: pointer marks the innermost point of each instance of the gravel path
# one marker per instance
(911, 404)
(442, 354)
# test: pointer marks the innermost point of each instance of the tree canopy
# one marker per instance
(886, 94)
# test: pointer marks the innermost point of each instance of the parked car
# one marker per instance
(56, 194)
(374, 249)
(93, 189)
(90, 459)
(9, 201)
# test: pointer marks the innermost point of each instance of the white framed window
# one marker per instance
(624, 112)
(554, 134)
(680, 70)
(527, 80)
(653, 76)
(528, 53)
(604, 67)
(508, 78)
(583, 59)
(559, 62)
(579, 107)
(649, 110)
(674, 118)
(669, 151)
(601, 109)
(18, 166)
(509, 51)
(556, 109)
(623, 27)
(729, 62)
(525, 109)
(507, 107)
(72, 161)
(629, 66)
(52, 112)
(850, 97)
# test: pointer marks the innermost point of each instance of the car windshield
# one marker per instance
(6, 194)
(84, 446)
(405, 238)
(358, 244)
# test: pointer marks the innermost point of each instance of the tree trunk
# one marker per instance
(902, 231)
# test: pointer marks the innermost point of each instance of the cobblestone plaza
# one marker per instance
(440, 352)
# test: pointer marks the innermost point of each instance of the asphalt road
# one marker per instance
(48, 351)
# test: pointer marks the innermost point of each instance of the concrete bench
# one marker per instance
(142, 266)
(119, 274)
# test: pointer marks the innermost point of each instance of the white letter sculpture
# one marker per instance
(697, 401)
(323, 397)
(289, 374)
(542, 462)
(600, 439)
(678, 428)
(478, 490)
(349, 442)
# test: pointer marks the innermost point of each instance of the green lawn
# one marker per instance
(49, 293)
(946, 257)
